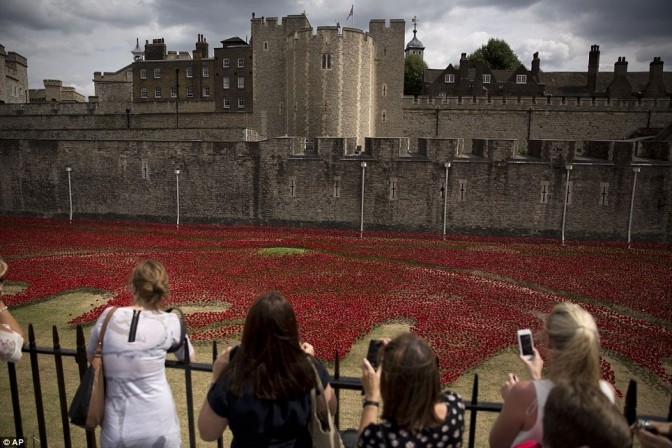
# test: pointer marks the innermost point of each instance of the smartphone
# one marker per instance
(525, 343)
(372, 354)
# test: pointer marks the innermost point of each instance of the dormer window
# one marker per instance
(449, 79)
(521, 79)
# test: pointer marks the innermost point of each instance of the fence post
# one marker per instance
(16, 405)
(630, 408)
(37, 386)
(472, 417)
(215, 353)
(80, 357)
(60, 380)
(337, 391)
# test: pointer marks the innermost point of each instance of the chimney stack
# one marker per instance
(656, 86)
(593, 67)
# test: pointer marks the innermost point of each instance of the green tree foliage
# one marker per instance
(414, 74)
(496, 54)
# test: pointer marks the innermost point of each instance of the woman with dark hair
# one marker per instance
(415, 412)
(139, 406)
(261, 388)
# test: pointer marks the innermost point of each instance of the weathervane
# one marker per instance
(415, 21)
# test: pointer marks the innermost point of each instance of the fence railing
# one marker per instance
(338, 383)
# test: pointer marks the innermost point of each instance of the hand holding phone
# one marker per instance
(372, 354)
(525, 343)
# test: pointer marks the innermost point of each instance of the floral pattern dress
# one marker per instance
(448, 434)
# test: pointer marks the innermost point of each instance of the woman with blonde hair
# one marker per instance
(573, 347)
(139, 406)
(11, 333)
(415, 412)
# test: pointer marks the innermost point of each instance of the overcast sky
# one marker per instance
(71, 39)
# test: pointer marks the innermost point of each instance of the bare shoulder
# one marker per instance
(522, 393)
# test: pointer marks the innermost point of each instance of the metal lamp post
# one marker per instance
(632, 202)
(445, 198)
(68, 170)
(177, 184)
(361, 215)
(568, 167)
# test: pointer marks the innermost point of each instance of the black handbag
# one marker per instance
(88, 405)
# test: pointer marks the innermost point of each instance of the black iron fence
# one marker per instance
(339, 383)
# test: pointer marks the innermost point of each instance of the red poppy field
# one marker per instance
(461, 291)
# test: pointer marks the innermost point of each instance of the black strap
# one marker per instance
(134, 326)
(183, 331)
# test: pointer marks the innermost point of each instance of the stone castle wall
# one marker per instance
(281, 181)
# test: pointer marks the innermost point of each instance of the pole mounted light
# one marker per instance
(568, 168)
(69, 170)
(177, 184)
(635, 170)
(361, 215)
(445, 198)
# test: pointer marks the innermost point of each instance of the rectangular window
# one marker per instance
(190, 72)
(157, 73)
(521, 79)
(449, 78)
(144, 167)
(226, 82)
(206, 91)
(292, 186)
(227, 104)
(157, 92)
(173, 92)
(143, 93)
(337, 187)
(190, 92)
(393, 189)
(225, 63)
(241, 62)
(143, 73)
(206, 72)
(241, 82)
(241, 103)
(462, 190)
(604, 193)
(326, 61)
(544, 192)
(487, 79)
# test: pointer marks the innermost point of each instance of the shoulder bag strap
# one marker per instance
(183, 330)
(101, 336)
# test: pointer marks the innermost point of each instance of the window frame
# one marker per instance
(449, 78)
(521, 79)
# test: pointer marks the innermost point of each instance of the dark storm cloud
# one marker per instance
(615, 21)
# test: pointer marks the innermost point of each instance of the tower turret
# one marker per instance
(415, 46)
(138, 53)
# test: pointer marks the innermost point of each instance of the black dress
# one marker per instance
(258, 422)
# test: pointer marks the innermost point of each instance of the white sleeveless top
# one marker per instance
(542, 389)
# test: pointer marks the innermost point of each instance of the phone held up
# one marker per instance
(372, 354)
(525, 343)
